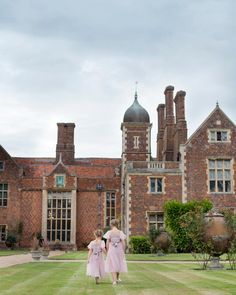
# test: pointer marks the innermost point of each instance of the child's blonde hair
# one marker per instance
(114, 222)
(98, 233)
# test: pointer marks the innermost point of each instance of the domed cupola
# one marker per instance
(136, 113)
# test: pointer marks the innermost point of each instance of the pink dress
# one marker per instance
(96, 266)
(115, 261)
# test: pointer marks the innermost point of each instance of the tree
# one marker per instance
(173, 211)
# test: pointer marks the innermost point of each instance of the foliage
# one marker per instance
(230, 219)
(140, 244)
(40, 239)
(173, 211)
(202, 258)
(194, 223)
(160, 240)
(153, 233)
(10, 241)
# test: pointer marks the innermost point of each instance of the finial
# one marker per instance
(136, 91)
(60, 158)
(217, 104)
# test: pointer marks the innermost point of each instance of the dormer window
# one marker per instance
(1, 165)
(60, 180)
(136, 142)
(219, 135)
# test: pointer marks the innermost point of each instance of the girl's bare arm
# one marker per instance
(89, 254)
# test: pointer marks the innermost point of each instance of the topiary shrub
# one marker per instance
(140, 245)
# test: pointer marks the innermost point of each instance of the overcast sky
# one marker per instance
(77, 61)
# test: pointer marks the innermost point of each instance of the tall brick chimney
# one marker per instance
(169, 104)
(161, 128)
(181, 131)
(180, 106)
(168, 141)
(65, 143)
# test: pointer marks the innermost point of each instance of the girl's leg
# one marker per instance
(118, 277)
(114, 277)
(96, 279)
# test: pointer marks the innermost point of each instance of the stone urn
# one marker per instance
(163, 242)
(45, 254)
(218, 235)
(36, 255)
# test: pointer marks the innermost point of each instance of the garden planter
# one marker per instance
(218, 235)
(36, 254)
(45, 254)
(163, 242)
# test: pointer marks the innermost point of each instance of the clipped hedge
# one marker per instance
(173, 210)
(140, 245)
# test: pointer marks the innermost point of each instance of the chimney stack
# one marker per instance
(169, 104)
(161, 128)
(65, 143)
(180, 106)
(181, 131)
(168, 140)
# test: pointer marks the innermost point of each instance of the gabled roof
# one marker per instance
(60, 168)
(8, 156)
(204, 123)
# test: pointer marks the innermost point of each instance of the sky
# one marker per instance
(77, 61)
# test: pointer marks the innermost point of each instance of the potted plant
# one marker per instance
(10, 242)
(46, 250)
(35, 251)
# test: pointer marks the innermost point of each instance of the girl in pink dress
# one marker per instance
(95, 265)
(115, 262)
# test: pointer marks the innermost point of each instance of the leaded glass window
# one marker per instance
(220, 176)
(110, 207)
(59, 217)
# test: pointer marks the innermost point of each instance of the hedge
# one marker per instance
(140, 244)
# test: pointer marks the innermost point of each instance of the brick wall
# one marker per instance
(143, 201)
(198, 150)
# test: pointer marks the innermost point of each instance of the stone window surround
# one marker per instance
(55, 180)
(8, 190)
(149, 185)
(232, 175)
(105, 206)
(73, 216)
(3, 166)
(148, 213)
(136, 141)
(219, 130)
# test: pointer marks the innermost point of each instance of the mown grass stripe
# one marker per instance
(145, 279)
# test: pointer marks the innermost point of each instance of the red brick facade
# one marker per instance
(67, 197)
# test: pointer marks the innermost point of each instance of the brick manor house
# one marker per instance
(66, 198)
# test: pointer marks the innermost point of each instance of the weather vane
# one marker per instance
(136, 89)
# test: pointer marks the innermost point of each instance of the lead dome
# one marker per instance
(136, 113)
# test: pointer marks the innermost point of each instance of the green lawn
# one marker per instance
(130, 257)
(57, 278)
(12, 252)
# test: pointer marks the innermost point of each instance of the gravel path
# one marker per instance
(6, 261)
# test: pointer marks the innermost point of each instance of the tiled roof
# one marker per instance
(83, 167)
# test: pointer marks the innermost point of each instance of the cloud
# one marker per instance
(77, 61)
